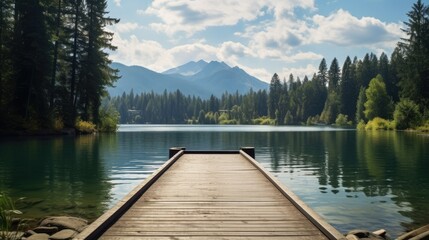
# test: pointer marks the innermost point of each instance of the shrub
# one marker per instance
(379, 124)
(288, 118)
(424, 128)
(58, 124)
(85, 127)
(342, 120)
(264, 120)
(109, 119)
(361, 125)
(407, 114)
(228, 122)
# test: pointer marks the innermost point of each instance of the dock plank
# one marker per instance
(214, 196)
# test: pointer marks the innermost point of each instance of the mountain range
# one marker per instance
(193, 78)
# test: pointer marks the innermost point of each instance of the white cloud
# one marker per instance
(279, 38)
(190, 16)
(232, 52)
(126, 27)
(133, 51)
(260, 73)
(193, 52)
(117, 2)
(300, 72)
(342, 28)
(304, 56)
(152, 55)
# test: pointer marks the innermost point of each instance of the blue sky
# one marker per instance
(261, 36)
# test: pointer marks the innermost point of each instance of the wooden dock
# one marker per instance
(210, 195)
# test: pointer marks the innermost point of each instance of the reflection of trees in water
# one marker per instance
(61, 175)
(386, 164)
(396, 165)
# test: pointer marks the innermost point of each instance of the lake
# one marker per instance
(365, 180)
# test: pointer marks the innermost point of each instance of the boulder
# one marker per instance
(363, 234)
(77, 224)
(65, 234)
(39, 236)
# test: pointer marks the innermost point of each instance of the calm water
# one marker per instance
(353, 179)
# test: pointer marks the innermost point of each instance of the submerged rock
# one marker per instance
(38, 236)
(366, 235)
(74, 223)
(64, 235)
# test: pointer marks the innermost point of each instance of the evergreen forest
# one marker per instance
(373, 92)
(53, 63)
(54, 70)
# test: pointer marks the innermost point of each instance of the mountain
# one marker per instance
(141, 79)
(188, 69)
(210, 69)
(194, 78)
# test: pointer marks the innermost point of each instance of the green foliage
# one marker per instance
(348, 89)
(229, 122)
(334, 76)
(407, 114)
(211, 118)
(424, 127)
(378, 103)
(331, 109)
(342, 120)
(360, 105)
(358, 92)
(264, 120)
(380, 124)
(414, 72)
(53, 62)
(85, 127)
(109, 119)
(274, 95)
(7, 214)
(313, 120)
(361, 126)
(288, 118)
(58, 124)
(202, 117)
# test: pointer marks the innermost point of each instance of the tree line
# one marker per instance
(359, 91)
(53, 62)
(176, 108)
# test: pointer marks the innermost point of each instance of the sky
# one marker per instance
(262, 37)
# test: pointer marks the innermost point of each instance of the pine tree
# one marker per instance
(31, 64)
(348, 88)
(414, 81)
(274, 95)
(365, 71)
(334, 76)
(6, 32)
(360, 107)
(323, 72)
(97, 73)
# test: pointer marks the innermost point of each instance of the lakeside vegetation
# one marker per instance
(54, 70)
(53, 64)
(372, 93)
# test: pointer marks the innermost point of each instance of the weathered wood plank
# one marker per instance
(214, 233)
(206, 196)
(123, 237)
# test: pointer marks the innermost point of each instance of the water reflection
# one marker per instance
(61, 175)
(357, 179)
(354, 179)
